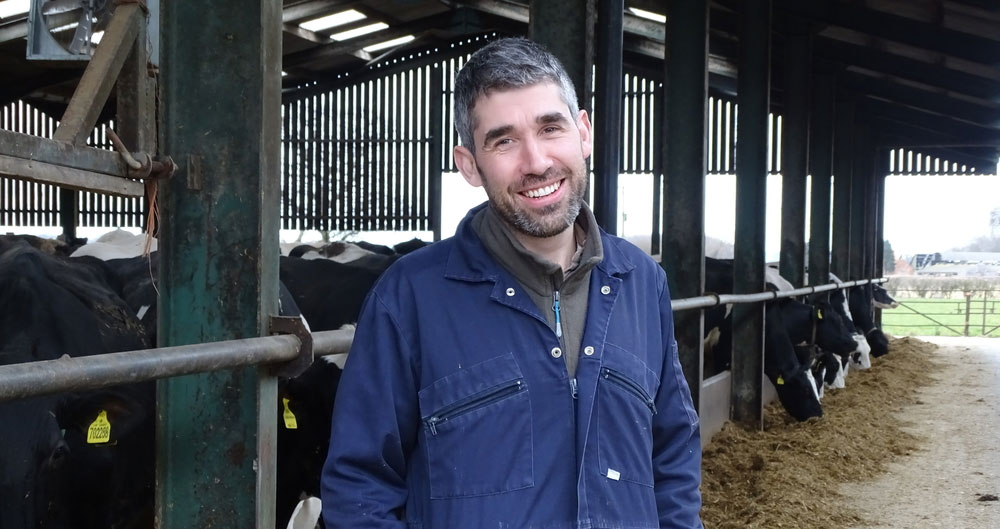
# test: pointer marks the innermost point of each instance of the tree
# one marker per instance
(888, 257)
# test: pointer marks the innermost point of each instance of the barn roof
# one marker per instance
(926, 71)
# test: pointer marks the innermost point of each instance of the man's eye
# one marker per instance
(550, 130)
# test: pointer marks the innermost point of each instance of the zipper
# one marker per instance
(630, 386)
(473, 403)
(555, 308)
(572, 385)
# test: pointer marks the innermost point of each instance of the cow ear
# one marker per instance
(102, 418)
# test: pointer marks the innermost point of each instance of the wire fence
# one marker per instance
(947, 312)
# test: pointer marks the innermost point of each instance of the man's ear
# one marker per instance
(466, 163)
(586, 133)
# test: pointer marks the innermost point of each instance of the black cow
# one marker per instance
(330, 295)
(802, 325)
(881, 299)
(860, 303)
(50, 307)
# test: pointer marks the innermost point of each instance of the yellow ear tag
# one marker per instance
(99, 431)
(781, 381)
(819, 314)
(290, 422)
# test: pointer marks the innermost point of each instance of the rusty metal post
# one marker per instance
(220, 120)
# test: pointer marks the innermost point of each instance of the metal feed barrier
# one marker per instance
(98, 371)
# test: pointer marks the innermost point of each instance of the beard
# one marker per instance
(550, 220)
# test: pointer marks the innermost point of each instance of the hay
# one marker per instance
(789, 474)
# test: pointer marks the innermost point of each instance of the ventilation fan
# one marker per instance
(64, 29)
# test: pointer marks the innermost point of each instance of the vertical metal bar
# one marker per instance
(436, 131)
(218, 259)
(795, 157)
(821, 167)
(843, 161)
(398, 159)
(659, 141)
(751, 186)
(683, 154)
(859, 188)
(881, 169)
(608, 110)
(571, 40)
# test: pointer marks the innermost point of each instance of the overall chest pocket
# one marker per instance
(477, 427)
(625, 410)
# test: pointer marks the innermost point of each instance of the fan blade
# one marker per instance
(81, 37)
(54, 7)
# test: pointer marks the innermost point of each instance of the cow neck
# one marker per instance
(541, 278)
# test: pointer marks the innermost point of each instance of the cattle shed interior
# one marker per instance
(351, 130)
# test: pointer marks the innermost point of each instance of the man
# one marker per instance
(523, 373)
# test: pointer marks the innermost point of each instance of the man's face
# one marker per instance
(530, 158)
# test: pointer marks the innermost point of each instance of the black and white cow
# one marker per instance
(52, 448)
(802, 325)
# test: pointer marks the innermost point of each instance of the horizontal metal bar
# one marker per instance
(97, 371)
(711, 300)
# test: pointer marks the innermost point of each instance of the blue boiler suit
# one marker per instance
(454, 412)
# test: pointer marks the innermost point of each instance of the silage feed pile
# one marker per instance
(789, 474)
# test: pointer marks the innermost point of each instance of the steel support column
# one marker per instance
(751, 197)
(843, 163)
(435, 158)
(863, 152)
(795, 157)
(821, 168)
(220, 121)
(566, 28)
(608, 112)
(881, 170)
(683, 153)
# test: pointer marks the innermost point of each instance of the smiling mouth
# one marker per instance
(543, 191)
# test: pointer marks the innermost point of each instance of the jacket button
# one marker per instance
(605, 290)
(589, 350)
(510, 292)
(556, 352)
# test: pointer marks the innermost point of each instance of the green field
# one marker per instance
(942, 317)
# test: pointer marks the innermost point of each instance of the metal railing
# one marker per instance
(97, 371)
(711, 300)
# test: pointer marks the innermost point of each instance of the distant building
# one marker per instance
(964, 264)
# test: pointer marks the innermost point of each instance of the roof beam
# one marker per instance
(959, 131)
(907, 68)
(312, 9)
(901, 29)
(987, 116)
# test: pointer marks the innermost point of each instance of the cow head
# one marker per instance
(882, 299)
(797, 393)
(831, 333)
(878, 342)
(792, 379)
(861, 357)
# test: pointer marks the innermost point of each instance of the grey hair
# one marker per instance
(503, 65)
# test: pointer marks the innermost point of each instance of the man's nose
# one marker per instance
(535, 158)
